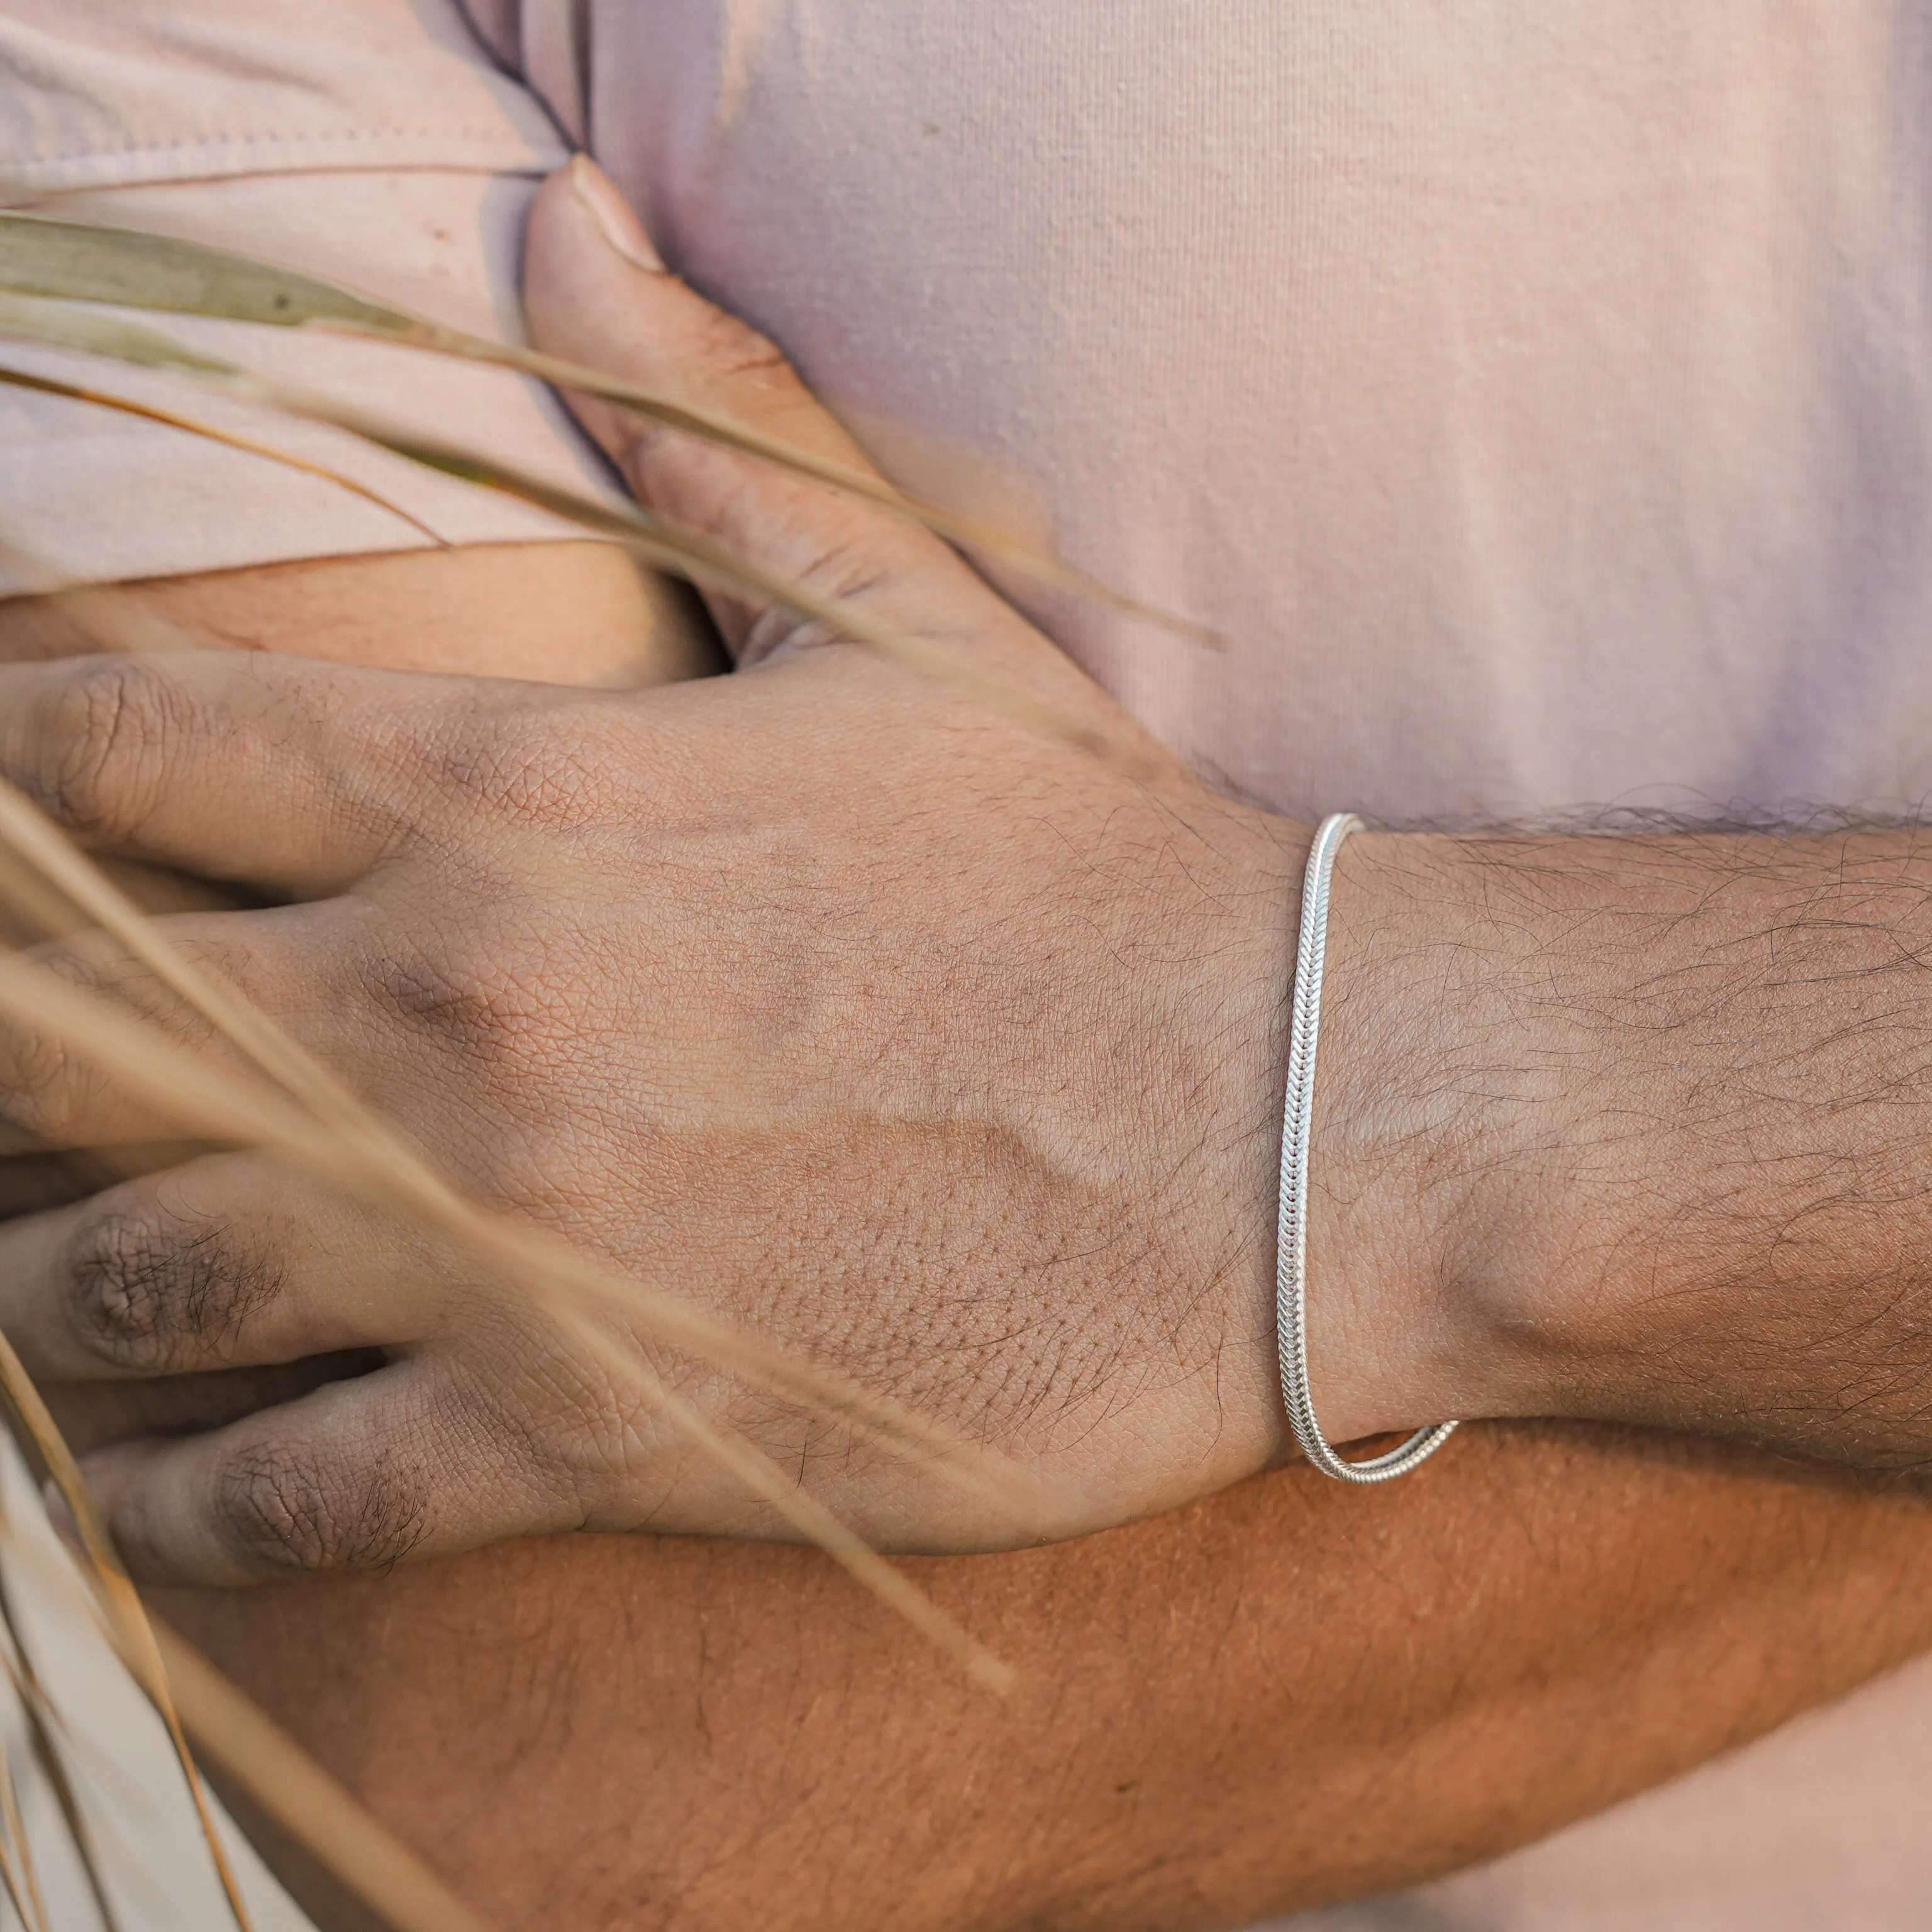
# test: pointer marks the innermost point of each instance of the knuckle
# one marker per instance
(730, 349)
(851, 564)
(152, 1290)
(38, 1094)
(48, 1090)
(101, 746)
(486, 1001)
(130, 986)
(45, 1088)
(531, 774)
(279, 1506)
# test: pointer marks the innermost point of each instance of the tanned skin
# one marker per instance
(1285, 1695)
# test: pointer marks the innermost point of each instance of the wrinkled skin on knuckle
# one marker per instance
(157, 1291)
(48, 1090)
(848, 569)
(557, 764)
(521, 1391)
(732, 354)
(44, 1087)
(100, 743)
(284, 1508)
(463, 1004)
(502, 998)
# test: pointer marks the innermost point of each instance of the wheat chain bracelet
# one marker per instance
(1291, 1255)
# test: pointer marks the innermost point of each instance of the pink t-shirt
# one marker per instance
(1537, 397)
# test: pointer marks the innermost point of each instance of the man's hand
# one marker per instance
(592, 1729)
(844, 1003)
(829, 996)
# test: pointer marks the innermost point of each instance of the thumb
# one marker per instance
(596, 293)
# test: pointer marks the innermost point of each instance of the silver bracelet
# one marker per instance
(1291, 1258)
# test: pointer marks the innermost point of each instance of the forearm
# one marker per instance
(1285, 1695)
(1651, 1114)
(570, 613)
(597, 1726)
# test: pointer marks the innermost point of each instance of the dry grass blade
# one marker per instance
(43, 1725)
(105, 399)
(17, 1894)
(98, 262)
(711, 566)
(53, 1768)
(79, 261)
(656, 542)
(61, 324)
(364, 1156)
(28, 1900)
(180, 1083)
(18, 1876)
(292, 1786)
(120, 1605)
(46, 1732)
(306, 1800)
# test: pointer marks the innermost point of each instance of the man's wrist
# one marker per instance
(1628, 1129)
(1428, 1207)
(1414, 1154)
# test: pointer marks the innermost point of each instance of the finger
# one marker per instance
(360, 1475)
(596, 295)
(55, 1093)
(280, 773)
(595, 284)
(90, 1413)
(30, 1183)
(229, 1261)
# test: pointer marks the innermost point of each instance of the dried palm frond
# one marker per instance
(128, 267)
(287, 1103)
(44, 1730)
(279, 1098)
(663, 545)
(309, 1116)
(120, 1607)
(104, 399)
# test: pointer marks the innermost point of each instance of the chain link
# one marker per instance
(1290, 1263)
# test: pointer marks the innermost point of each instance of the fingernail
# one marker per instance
(598, 195)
